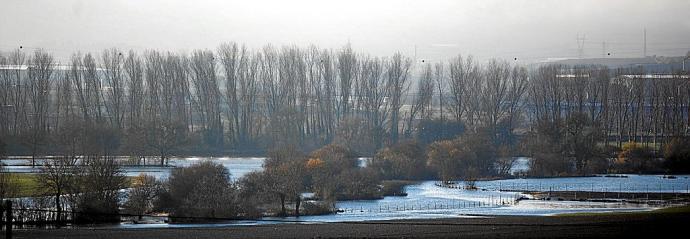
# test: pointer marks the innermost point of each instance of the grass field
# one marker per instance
(27, 185)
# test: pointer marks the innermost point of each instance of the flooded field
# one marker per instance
(427, 200)
(238, 167)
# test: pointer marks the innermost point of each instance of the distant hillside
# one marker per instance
(651, 64)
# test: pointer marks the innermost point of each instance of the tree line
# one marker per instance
(160, 103)
(236, 99)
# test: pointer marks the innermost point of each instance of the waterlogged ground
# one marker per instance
(600, 183)
(426, 200)
(237, 167)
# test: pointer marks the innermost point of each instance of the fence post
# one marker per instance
(8, 220)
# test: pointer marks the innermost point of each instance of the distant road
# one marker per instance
(619, 225)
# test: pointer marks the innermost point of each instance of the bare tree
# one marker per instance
(208, 97)
(421, 105)
(372, 91)
(397, 74)
(135, 88)
(495, 93)
(327, 92)
(18, 96)
(115, 94)
(464, 74)
(39, 81)
(5, 97)
(232, 59)
(440, 77)
(58, 177)
(517, 87)
(347, 72)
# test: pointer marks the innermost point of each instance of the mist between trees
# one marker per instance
(236, 100)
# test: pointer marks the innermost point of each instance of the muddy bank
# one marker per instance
(580, 226)
(631, 197)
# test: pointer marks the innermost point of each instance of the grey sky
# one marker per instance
(529, 30)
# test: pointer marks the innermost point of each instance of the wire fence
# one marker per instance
(27, 213)
(673, 188)
(450, 204)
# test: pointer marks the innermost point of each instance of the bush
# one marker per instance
(469, 157)
(441, 158)
(201, 190)
(97, 196)
(677, 155)
(335, 157)
(395, 187)
(335, 175)
(253, 194)
(324, 167)
(636, 158)
(547, 149)
(318, 208)
(358, 184)
(402, 161)
(145, 189)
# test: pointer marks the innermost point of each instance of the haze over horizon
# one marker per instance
(529, 30)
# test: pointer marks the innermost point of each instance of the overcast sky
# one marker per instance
(527, 29)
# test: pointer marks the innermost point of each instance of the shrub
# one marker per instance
(358, 184)
(324, 166)
(145, 189)
(406, 160)
(318, 208)
(635, 158)
(469, 157)
(677, 155)
(547, 149)
(97, 199)
(253, 194)
(441, 159)
(394, 187)
(201, 190)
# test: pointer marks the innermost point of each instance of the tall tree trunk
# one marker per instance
(282, 205)
(58, 206)
(298, 201)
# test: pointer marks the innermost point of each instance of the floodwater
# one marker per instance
(237, 167)
(426, 200)
(599, 183)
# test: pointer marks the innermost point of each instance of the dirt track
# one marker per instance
(608, 226)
